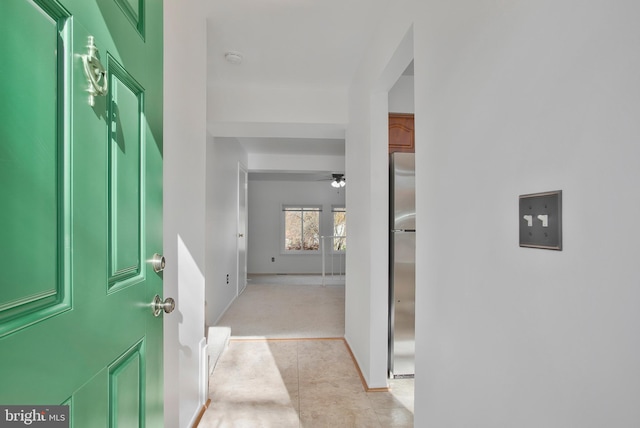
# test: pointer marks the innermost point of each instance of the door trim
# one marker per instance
(241, 283)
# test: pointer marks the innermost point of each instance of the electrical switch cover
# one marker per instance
(541, 220)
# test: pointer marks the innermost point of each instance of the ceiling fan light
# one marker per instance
(335, 183)
(342, 183)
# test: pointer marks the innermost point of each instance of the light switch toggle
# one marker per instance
(529, 219)
(544, 218)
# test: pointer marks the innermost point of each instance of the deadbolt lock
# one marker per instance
(158, 262)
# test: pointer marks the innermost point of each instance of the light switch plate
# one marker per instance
(541, 220)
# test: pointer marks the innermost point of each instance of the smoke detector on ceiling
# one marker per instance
(233, 57)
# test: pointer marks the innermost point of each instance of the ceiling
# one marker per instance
(310, 44)
(291, 43)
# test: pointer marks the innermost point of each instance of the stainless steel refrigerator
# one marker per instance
(402, 263)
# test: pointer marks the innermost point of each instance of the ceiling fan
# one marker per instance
(337, 180)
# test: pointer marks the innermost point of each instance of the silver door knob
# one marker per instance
(158, 305)
(158, 262)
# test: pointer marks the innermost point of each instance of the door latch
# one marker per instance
(158, 305)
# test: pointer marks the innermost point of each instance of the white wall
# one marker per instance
(513, 98)
(264, 235)
(367, 166)
(233, 104)
(223, 157)
(401, 96)
(278, 162)
(532, 97)
(184, 208)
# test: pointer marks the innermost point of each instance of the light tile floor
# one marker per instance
(285, 376)
(299, 383)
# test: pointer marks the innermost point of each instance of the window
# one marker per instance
(301, 228)
(339, 228)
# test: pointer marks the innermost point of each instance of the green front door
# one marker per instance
(81, 208)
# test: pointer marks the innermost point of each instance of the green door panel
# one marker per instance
(81, 206)
(86, 411)
(134, 10)
(126, 114)
(32, 165)
(126, 389)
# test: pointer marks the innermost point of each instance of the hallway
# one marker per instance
(268, 377)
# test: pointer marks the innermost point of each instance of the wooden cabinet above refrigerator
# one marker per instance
(401, 133)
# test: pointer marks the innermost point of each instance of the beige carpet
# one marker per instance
(287, 306)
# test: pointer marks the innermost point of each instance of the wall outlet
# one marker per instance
(227, 278)
(273, 259)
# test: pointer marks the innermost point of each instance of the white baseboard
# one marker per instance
(204, 372)
(224, 312)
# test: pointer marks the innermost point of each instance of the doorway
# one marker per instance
(241, 276)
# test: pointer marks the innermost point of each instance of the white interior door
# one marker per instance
(242, 229)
